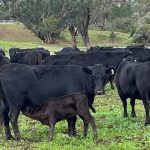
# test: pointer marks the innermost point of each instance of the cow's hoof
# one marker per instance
(10, 137)
(72, 133)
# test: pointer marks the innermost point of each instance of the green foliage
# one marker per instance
(112, 36)
(49, 25)
(120, 17)
(142, 35)
(142, 7)
(44, 16)
(16, 35)
(123, 25)
(123, 11)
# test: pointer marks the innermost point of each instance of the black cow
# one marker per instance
(54, 110)
(135, 46)
(130, 58)
(105, 49)
(108, 59)
(2, 52)
(4, 60)
(132, 81)
(98, 48)
(13, 51)
(29, 58)
(61, 59)
(23, 85)
(68, 50)
(143, 54)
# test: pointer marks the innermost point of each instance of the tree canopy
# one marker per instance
(48, 18)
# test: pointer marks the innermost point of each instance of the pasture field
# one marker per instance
(114, 131)
(16, 35)
(6, 45)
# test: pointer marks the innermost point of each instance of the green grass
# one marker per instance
(16, 32)
(16, 35)
(102, 38)
(6, 45)
(114, 131)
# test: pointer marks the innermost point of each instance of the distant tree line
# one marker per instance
(48, 18)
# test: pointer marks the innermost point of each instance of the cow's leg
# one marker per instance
(86, 124)
(71, 126)
(111, 79)
(132, 103)
(14, 114)
(124, 104)
(1, 117)
(52, 122)
(6, 123)
(93, 125)
(147, 111)
(88, 119)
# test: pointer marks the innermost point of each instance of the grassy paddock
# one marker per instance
(114, 131)
(102, 38)
(16, 32)
(6, 45)
(16, 35)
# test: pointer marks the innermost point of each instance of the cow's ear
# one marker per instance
(110, 70)
(87, 70)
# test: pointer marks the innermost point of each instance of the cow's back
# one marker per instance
(132, 79)
(33, 84)
(108, 58)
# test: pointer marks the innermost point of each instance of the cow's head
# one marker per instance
(132, 59)
(12, 53)
(100, 76)
(4, 60)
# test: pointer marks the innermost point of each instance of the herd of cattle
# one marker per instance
(49, 88)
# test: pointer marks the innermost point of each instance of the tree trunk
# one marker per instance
(85, 36)
(37, 33)
(50, 38)
(73, 31)
(83, 29)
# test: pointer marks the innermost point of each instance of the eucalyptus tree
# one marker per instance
(5, 9)
(46, 18)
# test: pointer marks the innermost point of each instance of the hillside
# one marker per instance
(16, 35)
(16, 32)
